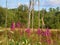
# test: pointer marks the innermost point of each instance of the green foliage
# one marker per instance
(51, 17)
(2, 16)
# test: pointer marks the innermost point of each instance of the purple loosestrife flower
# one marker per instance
(13, 26)
(28, 31)
(48, 35)
(18, 24)
(38, 31)
(42, 33)
(47, 32)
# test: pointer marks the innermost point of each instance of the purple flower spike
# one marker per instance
(18, 24)
(47, 32)
(13, 26)
(27, 30)
(43, 33)
(38, 31)
(48, 35)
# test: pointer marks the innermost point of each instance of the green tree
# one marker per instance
(2, 16)
(22, 14)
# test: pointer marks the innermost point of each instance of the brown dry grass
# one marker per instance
(31, 29)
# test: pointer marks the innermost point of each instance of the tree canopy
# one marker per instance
(51, 17)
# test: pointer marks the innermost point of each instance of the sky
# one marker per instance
(43, 3)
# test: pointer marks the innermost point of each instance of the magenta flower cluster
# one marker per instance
(45, 33)
(13, 25)
(39, 32)
(48, 36)
(27, 30)
(18, 24)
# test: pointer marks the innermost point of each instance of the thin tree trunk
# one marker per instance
(6, 16)
(39, 13)
(32, 14)
(29, 14)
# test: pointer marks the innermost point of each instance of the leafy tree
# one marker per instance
(2, 16)
(22, 14)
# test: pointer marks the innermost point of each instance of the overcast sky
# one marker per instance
(43, 3)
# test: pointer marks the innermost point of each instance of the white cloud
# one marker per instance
(55, 2)
(23, 2)
(50, 3)
(19, 4)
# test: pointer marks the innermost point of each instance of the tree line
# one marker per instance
(20, 14)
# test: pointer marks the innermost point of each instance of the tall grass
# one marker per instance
(27, 37)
